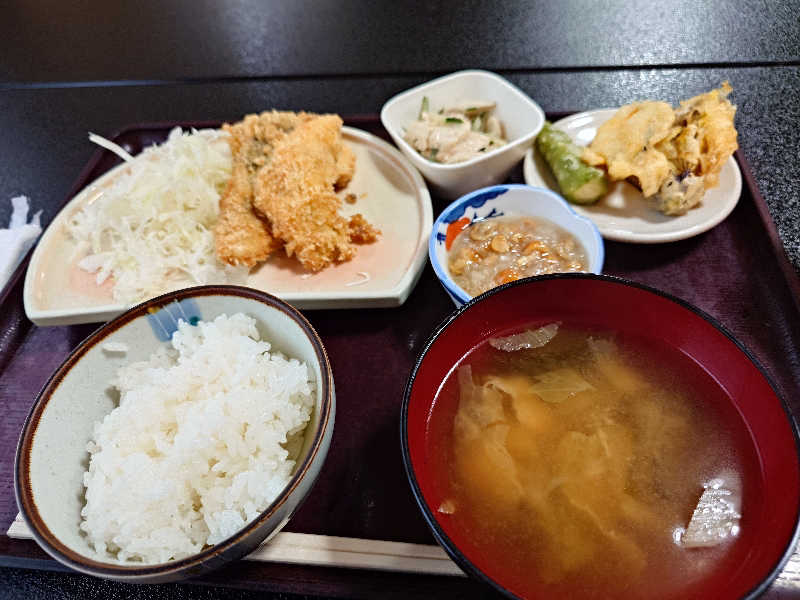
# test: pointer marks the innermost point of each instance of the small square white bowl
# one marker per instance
(521, 117)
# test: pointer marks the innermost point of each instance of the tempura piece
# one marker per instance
(626, 145)
(241, 236)
(578, 182)
(672, 156)
(294, 191)
(708, 136)
(706, 139)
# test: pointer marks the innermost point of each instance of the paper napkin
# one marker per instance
(18, 238)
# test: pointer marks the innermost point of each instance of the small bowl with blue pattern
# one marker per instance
(508, 200)
(52, 455)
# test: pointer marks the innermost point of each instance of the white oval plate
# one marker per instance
(391, 195)
(624, 215)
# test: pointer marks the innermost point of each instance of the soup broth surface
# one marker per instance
(572, 469)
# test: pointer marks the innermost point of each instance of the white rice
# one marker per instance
(115, 347)
(197, 447)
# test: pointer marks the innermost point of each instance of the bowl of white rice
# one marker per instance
(177, 437)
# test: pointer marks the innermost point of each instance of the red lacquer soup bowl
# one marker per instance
(728, 380)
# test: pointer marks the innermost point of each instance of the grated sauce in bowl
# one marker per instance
(495, 251)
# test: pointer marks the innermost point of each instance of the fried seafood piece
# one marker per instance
(345, 166)
(673, 156)
(626, 145)
(295, 193)
(241, 236)
(707, 137)
(361, 231)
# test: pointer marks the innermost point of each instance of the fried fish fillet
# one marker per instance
(345, 167)
(294, 191)
(361, 231)
(286, 167)
(241, 236)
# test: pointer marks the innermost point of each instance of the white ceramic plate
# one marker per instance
(391, 195)
(624, 215)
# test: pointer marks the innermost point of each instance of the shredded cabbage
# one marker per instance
(152, 229)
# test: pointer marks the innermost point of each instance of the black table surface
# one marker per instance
(46, 40)
(70, 68)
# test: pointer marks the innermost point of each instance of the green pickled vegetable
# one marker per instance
(579, 183)
(424, 107)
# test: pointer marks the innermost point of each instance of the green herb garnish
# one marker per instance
(453, 120)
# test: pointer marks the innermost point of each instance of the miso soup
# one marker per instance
(573, 468)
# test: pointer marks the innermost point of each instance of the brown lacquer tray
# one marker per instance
(737, 272)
